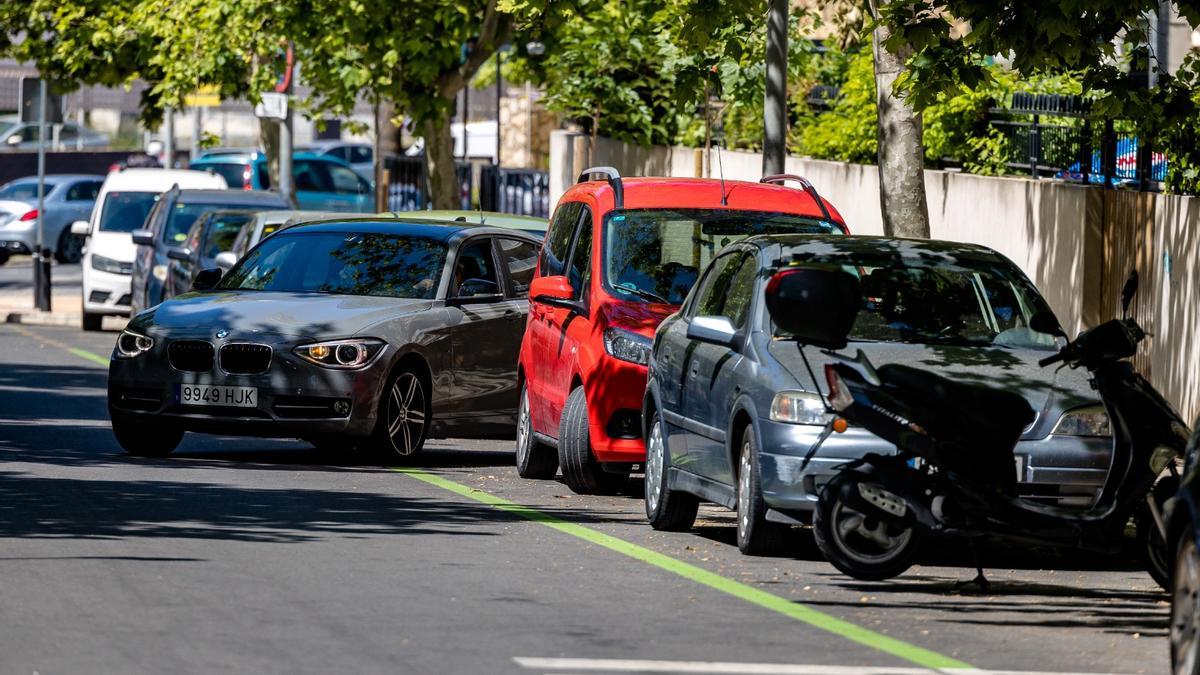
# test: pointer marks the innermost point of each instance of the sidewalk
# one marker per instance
(16, 297)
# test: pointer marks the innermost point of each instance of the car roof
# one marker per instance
(703, 193)
(258, 157)
(487, 218)
(282, 216)
(160, 180)
(324, 144)
(231, 197)
(443, 230)
(839, 244)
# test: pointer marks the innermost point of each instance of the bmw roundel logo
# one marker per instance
(222, 334)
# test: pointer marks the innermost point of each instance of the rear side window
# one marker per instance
(558, 238)
(84, 191)
(520, 257)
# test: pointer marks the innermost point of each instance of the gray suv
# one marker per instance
(731, 410)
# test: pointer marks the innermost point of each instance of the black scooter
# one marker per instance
(953, 475)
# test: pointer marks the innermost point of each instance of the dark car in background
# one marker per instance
(263, 225)
(360, 156)
(66, 199)
(363, 332)
(731, 408)
(321, 183)
(212, 234)
(167, 226)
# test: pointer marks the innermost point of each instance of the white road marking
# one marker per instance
(719, 668)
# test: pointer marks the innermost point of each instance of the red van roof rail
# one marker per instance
(781, 178)
(614, 179)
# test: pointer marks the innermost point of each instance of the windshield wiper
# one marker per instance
(643, 294)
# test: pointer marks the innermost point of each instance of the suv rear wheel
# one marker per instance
(581, 472)
(534, 459)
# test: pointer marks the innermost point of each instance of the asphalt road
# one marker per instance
(17, 275)
(269, 556)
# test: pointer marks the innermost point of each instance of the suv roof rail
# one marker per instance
(614, 179)
(805, 184)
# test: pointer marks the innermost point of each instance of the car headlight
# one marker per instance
(353, 353)
(798, 407)
(1090, 421)
(627, 346)
(131, 344)
(111, 266)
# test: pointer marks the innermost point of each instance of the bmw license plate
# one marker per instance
(204, 394)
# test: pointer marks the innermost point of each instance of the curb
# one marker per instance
(36, 318)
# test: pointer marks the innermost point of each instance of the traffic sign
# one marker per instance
(30, 91)
(274, 106)
(208, 96)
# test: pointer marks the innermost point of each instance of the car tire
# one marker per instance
(4, 256)
(403, 418)
(860, 557)
(666, 509)
(534, 459)
(1184, 631)
(147, 439)
(92, 322)
(1151, 547)
(755, 535)
(581, 472)
(69, 249)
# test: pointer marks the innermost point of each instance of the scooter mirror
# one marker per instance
(1130, 290)
(1046, 322)
(815, 305)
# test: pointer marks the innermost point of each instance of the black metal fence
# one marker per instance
(518, 191)
(521, 191)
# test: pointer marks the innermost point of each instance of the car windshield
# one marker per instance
(126, 211)
(942, 299)
(235, 175)
(23, 190)
(655, 255)
(386, 265)
(181, 219)
(223, 229)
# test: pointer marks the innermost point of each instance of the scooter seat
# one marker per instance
(976, 410)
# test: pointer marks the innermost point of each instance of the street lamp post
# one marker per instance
(775, 103)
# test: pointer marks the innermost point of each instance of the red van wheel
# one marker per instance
(581, 472)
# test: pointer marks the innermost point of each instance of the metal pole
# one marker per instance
(169, 137)
(41, 263)
(285, 156)
(466, 117)
(197, 130)
(499, 81)
(775, 103)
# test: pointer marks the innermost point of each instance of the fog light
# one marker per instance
(341, 407)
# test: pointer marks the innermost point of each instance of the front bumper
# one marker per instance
(296, 399)
(614, 391)
(1064, 470)
(105, 292)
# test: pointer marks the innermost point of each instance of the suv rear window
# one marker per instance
(655, 255)
(126, 211)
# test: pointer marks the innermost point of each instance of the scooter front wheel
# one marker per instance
(858, 541)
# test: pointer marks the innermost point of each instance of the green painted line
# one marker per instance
(815, 618)
(88, 356)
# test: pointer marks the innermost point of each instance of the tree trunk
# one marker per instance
(901, 154)
(268, 139)
(439, 164)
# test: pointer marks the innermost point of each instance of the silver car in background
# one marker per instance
(67, 198)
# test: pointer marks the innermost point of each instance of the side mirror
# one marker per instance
(815, 305)
(478, 290)
(180, 253)
(206, 279)
(225, 260)
(143, 237)
(549, 289)
(81, 228)
(717, 330)
(1046, 322)
(1130, 290)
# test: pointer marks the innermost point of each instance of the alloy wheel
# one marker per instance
(524, 429)
(866, 539)
(743, 493)
(654, 466)
(1185, 609)
(406, 414)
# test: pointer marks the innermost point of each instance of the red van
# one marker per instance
(618, 258)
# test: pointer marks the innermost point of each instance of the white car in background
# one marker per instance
(121, 207)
